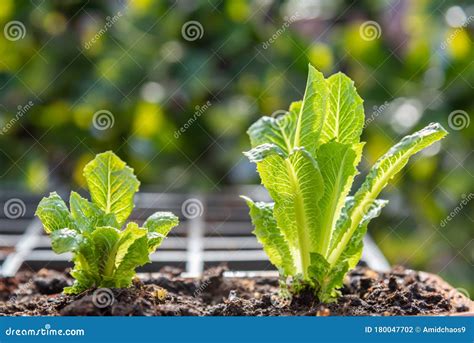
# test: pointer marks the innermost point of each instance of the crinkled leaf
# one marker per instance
(268, 130)
(338, 164)
(345, 113)
(301, 126)
(319, 267)
(333, 275)
(326, 278)
(113, 258)
(132, 253)
(127, 237)
(53, 213)
(295, 184)
(88, 215)
(83, 280)
(279, 131)
(384, 170)
(295, 108)
(312, 112)
(159, 225)
(269, 235)
(259, 153)
(86, 267)
(87, 258)
(353, 251)
(64, 240)
(105, 240)
(344, 221)
(112, 185)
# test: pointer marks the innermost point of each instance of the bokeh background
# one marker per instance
(171, 87)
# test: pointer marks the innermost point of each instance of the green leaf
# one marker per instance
(269, 235)
(331, 277)
(338, 164)
(159, 225)
(83, 281)
(127, 237)
(353, 251)
(295, 184)
(259, 153)
(88, 215)
(103, 255)
(132, 252)
(64, 240)
(384, 170)
(86, 266)
(327, 279)
(269, 130)
(312, 112)
(112, 185)
(53, 213)
(319, 267)
(344, 221)
(105, 240)
(279, 131)
(301, 126)
(345, 113)
(295, 107)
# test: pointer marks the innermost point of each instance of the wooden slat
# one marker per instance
(170, 243)
(229, 228)
(22, 249)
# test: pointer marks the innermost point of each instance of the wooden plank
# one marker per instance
(13, 226)
(229, 228)
(194, 258)
(23, 248)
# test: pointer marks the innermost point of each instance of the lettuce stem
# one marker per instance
(301, 223)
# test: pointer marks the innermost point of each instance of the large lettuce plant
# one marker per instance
(104, 253)
(307, 160)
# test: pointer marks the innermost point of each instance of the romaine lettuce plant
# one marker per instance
(307, 160)
(104, 254)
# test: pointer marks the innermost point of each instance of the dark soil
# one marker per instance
(366, 292)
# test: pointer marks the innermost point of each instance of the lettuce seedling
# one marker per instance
(307, 160)
(104, 254)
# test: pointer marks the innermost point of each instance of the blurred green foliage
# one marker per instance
(74, 58)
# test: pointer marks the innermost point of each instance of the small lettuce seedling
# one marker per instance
(307, 160)
(104, 254)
